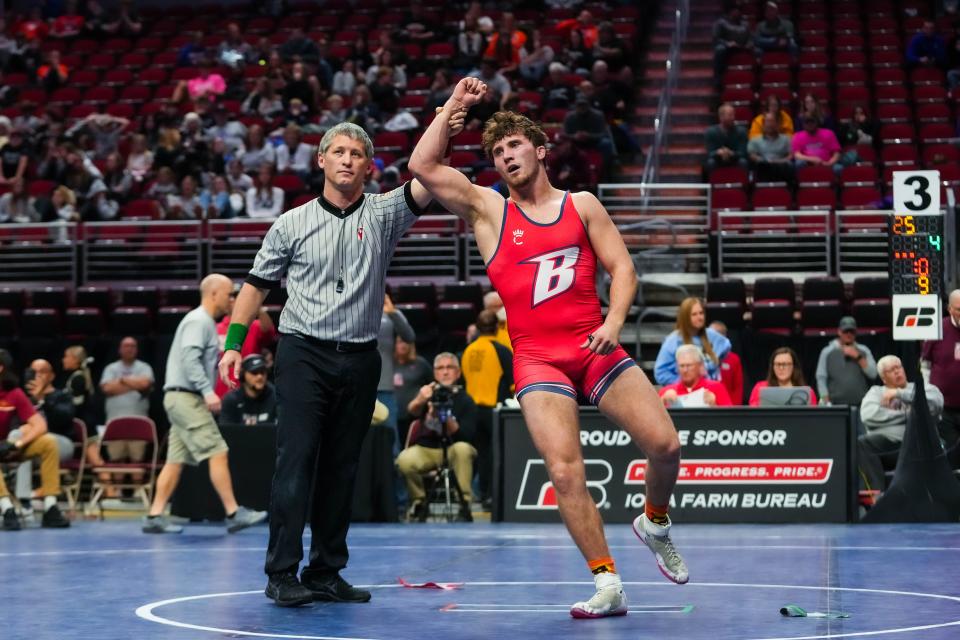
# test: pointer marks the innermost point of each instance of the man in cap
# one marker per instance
(845, 368)
(255, 400)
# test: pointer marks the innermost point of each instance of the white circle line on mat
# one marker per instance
(147, 611)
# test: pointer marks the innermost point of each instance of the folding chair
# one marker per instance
(71, 471)
(134, 428)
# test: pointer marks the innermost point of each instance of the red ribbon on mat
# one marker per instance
(444, 586)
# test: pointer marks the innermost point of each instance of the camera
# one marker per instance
(442, 400)
(29, 375)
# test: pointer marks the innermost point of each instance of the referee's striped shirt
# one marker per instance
(316, 242)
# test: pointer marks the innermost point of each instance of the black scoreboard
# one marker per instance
(916, 254)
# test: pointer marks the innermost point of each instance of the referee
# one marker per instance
(334, 252)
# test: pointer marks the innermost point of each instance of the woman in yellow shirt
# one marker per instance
(774, 106)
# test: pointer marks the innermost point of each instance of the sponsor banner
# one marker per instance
(739, 465)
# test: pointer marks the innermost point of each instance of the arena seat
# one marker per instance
(818, 317)
(823, 288)
(464, 291)
(40, 323)
(169, 317)
(82, 322)
(132, 321)
(97, 297)
(51, 297)
(413, 292)
(871, 288)
(772, 317)
(775, 288)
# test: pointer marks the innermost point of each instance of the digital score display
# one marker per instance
(916, 254)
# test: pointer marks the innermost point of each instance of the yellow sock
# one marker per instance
(602, 565)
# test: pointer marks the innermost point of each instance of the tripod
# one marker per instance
(443, 481)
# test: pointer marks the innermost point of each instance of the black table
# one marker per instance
(252, 461)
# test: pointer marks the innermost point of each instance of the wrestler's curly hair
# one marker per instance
(508, 123)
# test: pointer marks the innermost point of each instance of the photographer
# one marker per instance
(30, 440)
(447, 419)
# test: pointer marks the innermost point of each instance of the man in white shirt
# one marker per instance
(294, 154)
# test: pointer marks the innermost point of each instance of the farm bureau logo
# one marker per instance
(916, 317)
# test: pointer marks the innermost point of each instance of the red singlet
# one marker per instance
(545, 275)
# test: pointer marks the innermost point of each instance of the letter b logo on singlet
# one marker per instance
(555, 273)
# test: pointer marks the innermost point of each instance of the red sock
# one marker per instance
(602, 565)
(657, 514)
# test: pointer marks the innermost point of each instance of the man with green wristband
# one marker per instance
(334, 252)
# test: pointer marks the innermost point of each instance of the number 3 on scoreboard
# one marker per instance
(916, 192)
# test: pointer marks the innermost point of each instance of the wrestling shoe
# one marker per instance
(53, 518)
(657, 538)
(11, 522)
(609, 600)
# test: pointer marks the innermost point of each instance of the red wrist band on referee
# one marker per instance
(236, 334)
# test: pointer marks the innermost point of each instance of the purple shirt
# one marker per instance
(944, 358)
(822, 144)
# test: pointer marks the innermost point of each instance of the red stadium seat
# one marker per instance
(392, 141)
(939, 154)
(897, 134)
(816, 198)
(899, 154)
(815, 176)
(771, 199)
(881, 58)
(728, 200)
(101, 61)
(934, 113)
(888, 76)
(99, 95)
(136, 93)
(860, 198)
(81, 78)
(859, 176)
(813, 60)
(729, 177)
(121, 110)
(737, 97)
(65, 95)
(927, 76)
(141, 209)
(851, 76)
(775, 60)
(929, 93)
(936, 133)
(738, 79)
(894, 113)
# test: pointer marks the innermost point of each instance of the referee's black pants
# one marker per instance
(325, 404)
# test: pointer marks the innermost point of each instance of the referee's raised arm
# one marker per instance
(248, 305)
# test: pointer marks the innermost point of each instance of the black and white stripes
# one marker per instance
(314, 243)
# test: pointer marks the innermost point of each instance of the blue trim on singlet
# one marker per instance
(550, 387)
(503, 226)
(610, 376)
(544, 224)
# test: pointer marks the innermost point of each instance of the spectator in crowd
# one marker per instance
(952, 62)
(238, 180)
(187, 204)
(334, 113)
(140, 159)
(693, 388)
(227, 128)
(927, 48)
(470, 44)
(583, 24)
(257, 150)
(940, 363)
(858, 129)
(410, 373)
(770, 153)
(165, 185)
(217, 201)
(79, 383)
(816, 145)
(559, 93)
(730, 33)
(208, 83)
(60, 206)
(393, 326)
(116, 178)
(294, 155)
(302, 86)
(254, 402)
(264, 200)
(34, 28)
(30, 440)
(262, 100)
(426, 439)
(14, 157)
(493, 302)
(576, 55)
(105, 129)
(260, 337)
(731, 368)
(300, 47)
(53, 74)
(784, 371)
(691, 329)
(845, 367)
(169, 151)
(17, 206)
(56, 407)
(782, 118)
(883, 411)
(726, 141)
(588, 129)
(441, 88)
(774, 32)
(192, 51)
(488, 373)
(482, 111)
(234, 51)
(495, 81)
(811, 107)
(345, 80)
(126, 385)
(99, 206)
(127, 23)
(568, 165)
(419, 26)
(360, 55)
(504, 45)
(611, 49)
(95, 17)
(364, 112)
(535, 56)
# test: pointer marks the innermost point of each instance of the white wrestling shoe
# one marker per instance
(609, 600)
(657, 538)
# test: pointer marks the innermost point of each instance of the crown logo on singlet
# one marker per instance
(518, 236)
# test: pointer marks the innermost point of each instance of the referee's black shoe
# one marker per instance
(333, 588)
(285, 590)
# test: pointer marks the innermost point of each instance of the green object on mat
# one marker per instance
(795, 611)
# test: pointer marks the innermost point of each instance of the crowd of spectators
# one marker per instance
(233, 126)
